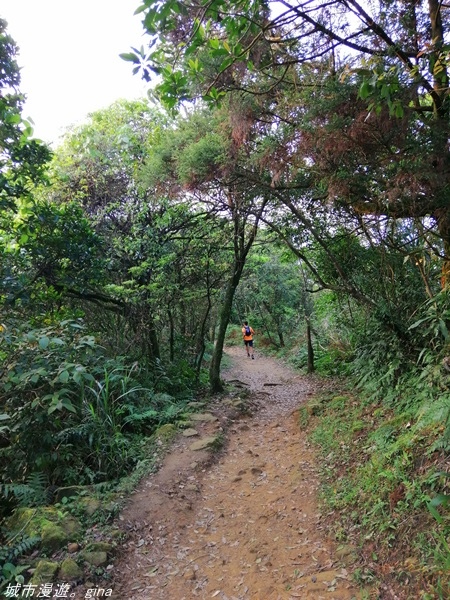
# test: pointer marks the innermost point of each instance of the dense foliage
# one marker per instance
(306, 193)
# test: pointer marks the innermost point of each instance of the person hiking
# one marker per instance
(248, 334)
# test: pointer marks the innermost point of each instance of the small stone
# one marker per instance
(72, 548)
(189, 575)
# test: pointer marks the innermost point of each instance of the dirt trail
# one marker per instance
(243, 523)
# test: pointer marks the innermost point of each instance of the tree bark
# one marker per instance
(310, 365)
(171, 336)
(215, 381)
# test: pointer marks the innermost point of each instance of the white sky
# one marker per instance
(69, 57)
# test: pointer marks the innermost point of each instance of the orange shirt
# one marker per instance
(247, 338)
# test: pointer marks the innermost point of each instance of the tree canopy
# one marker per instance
(22, 159)
(354, 97)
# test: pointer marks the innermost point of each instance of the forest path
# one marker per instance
(243, 523)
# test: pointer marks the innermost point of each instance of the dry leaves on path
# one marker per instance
(242, 523)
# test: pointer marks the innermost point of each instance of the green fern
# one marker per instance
(31, 493)
(9, 554)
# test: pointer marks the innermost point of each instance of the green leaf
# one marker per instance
(43, 342)
(443, 329)
(435, 513)
(130, 57)
(64, 376)
(67, 404)
(364, 90)
(53, 407)
(417, 323)
(440, 500)
(140, 9)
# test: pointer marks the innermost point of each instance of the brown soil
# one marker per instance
(240, 522)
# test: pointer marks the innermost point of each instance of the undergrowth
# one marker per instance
(385, 485)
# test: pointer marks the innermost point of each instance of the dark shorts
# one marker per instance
(248, 342)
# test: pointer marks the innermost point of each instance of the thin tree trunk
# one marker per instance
(310, 365)
(153, 344)
(171, 336)
(215, 382)
(201, 339)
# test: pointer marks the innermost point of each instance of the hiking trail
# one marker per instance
(240, 522)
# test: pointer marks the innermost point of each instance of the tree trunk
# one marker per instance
(215, 382)
(171, 336)
(443, 222)
(310, 365)
(153, 344)
(201, 346)
(241, 250)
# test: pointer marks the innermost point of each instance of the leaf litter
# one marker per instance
(249, 524)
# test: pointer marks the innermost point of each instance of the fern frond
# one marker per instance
(32, 493)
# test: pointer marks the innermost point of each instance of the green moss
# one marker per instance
(98, 559)
(31, 521)
(100, 547)
(69, 570)
(90, 505)
(45, 572)
(166, 431)
(53, 527)
(53, 537)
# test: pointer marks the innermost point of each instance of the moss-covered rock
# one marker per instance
(53, 537)
(97, 559)
(69, 570)
(196, 404)
(166, 431)
(90, 505)
(205, 417)
(35, 521)
(100, 547)
(71, 526)
(45, 572)
(31, 521)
